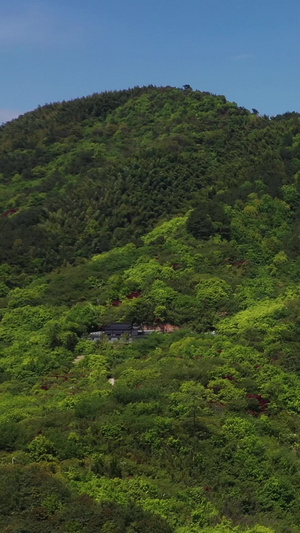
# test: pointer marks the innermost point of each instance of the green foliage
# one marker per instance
(22, 297)
(80, 177)
(259, 317)
(189, 431)
(212, 291)
(41, 449)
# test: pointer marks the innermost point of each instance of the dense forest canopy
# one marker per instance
(98, 172)
(156, 206)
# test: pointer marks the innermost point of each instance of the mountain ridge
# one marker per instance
(108, 180)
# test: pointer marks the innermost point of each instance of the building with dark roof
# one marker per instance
(116, 331)
(126, 330)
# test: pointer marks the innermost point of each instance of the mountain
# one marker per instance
(178, 210)
(80, 177)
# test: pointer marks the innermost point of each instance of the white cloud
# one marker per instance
(8, 114)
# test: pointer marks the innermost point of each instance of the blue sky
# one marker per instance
(248, 50)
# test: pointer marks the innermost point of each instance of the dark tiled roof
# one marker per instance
(126, 326)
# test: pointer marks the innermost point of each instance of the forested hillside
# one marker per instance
(150, 206)
(80, 177)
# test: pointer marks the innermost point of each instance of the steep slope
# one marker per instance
(199, 429)
(80, 177)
